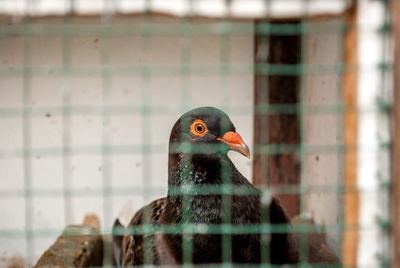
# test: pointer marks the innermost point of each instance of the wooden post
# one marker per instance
(395, 194)
(351, 197)
(279, 168)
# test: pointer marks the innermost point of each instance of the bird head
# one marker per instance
(206, 130)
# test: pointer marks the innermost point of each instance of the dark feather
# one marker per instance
(128, 249)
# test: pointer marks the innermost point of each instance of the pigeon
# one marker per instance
(197, 160)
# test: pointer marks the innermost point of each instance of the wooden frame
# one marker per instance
(395, 194)
(351, 196)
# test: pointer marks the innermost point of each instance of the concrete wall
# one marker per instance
(323, 132)
(166, 89)
(170, 93)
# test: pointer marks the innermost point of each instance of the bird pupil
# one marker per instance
(199, 128)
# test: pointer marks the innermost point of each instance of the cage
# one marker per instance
(91, 89)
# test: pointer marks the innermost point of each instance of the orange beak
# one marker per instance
(236, 143)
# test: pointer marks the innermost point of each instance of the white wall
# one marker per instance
(172, 93)
(322, 132)
(374, 169)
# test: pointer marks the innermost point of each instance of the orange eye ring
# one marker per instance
(199, 128)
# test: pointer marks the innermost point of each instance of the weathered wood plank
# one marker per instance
(78, 246)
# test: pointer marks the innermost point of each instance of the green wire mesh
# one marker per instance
(148, 112)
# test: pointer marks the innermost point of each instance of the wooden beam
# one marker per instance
(78, 246)
(351, 196)
(395, 194)
(277, 169)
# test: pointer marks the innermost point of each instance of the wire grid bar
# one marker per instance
(147, 110)
(231, 28)
(147, 229)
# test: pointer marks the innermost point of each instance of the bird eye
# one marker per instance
(199, 128)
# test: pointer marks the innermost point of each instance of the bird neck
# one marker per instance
(187, 173)
(197, 169)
